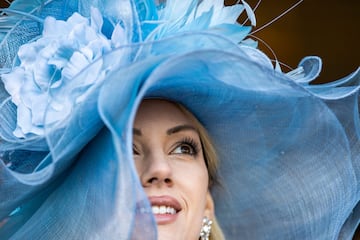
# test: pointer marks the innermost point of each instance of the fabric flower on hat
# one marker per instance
(42, 85)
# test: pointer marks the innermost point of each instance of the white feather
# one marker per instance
(250, 13)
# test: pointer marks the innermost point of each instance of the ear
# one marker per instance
(209, 207)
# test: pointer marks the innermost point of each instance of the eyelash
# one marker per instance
(185, 141)
(191, 143)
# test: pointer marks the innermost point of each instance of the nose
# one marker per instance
(157, 170)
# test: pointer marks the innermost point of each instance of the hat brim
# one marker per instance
(277, 143)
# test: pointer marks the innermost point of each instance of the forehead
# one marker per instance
(160, 111)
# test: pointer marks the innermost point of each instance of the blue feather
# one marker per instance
(146, 12)
(212, 16)
(200, 23)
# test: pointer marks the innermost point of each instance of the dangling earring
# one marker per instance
(205, 229)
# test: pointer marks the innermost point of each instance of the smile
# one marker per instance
(163, 210)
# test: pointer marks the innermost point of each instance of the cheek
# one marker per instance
(141, 168)
(197, 193)
(195, 180)
(138, 166)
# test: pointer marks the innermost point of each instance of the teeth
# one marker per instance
(163, 210)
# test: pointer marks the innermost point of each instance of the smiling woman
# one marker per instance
(172, 168)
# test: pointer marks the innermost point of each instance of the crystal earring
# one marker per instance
(205, 229)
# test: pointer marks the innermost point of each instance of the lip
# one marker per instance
(162, 219)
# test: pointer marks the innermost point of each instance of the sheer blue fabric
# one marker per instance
(289, 151)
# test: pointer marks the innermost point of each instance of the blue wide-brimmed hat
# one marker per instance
(289, 151)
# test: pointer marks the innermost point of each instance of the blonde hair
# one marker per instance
(211, 161)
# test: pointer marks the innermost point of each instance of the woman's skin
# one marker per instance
(169, 160)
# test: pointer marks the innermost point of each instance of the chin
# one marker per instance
(166, 235)
(176, 234)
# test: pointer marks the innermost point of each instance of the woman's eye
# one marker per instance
(184, 149)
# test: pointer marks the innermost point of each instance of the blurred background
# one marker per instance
(325, 28)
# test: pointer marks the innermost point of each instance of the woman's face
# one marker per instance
(169, 160)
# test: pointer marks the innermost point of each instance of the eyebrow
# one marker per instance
(180, 128)
(170, 131)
